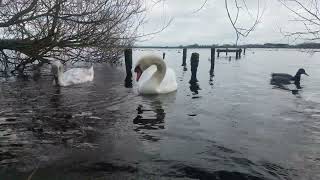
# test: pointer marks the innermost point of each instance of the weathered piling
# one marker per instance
(213, 51)
(163, 55)
(240, 51)
(244, 51)
(194, 61)
(184, 57)
(128, 64)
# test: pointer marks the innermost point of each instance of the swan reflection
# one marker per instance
(151, 115)
(150, 119)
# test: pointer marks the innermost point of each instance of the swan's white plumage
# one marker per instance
(72, 76)
(151, 82)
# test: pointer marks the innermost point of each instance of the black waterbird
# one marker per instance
(280, 80)
(283, 78)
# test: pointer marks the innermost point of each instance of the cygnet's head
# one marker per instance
(144, 63)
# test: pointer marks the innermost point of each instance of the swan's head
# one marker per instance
(144, 63)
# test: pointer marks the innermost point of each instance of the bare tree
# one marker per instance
(306, 12)
(35, 31)
(240, 7)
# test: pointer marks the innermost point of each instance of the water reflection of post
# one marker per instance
(128, 63)
(211, 79)
(185, 68)
(194, 86)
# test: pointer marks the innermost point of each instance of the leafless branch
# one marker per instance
(203, 4)
(242, 31)
(69, 30)
(307, 13)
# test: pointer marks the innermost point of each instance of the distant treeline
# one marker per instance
(266, 45)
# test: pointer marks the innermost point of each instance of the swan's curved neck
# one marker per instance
(161, 71)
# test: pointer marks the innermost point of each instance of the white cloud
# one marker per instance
(211, 25)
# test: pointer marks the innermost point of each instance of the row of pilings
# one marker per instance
(194, 62)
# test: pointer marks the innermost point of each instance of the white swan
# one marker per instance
(72, 76)
(154, 77)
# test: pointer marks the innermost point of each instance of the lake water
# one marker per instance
(234, 126)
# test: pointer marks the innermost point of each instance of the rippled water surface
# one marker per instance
(234, 125)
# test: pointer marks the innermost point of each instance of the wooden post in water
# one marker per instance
(194, 61)
(244, 51)
(128, 63)
(184, 57)
(237, 54)
(226, 51)
(163, 55)
(240, 51)
(213, 51)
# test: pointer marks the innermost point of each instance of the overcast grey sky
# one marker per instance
(211, 25)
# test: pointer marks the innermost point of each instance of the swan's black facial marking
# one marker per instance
(138, 70)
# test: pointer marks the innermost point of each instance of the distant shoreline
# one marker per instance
(207, 47)
(266, 45)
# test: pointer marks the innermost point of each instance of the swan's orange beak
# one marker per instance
(138, 71)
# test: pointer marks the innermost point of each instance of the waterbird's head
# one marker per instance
(302, 71)
(144, 63)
